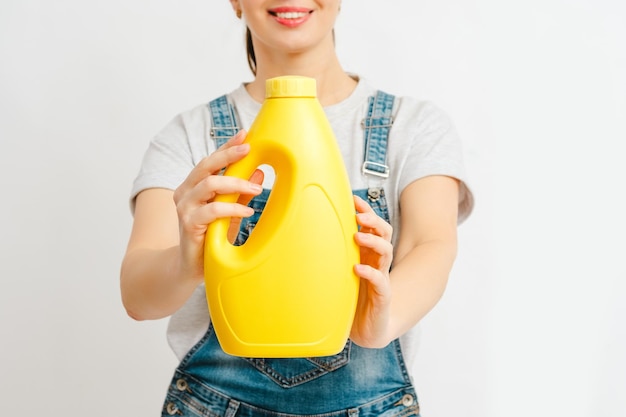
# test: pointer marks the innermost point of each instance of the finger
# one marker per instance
(379, 281)
(371, 222)
(232, 151)
(219, 159)
(378, 245)
(244, 199)
(211, 212)
(236, 139)
(205, 191)
(361, 205)
(256, 178)
(209, 187)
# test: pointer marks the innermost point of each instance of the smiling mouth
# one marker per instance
(290, 15)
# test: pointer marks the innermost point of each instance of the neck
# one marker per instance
(333, 83)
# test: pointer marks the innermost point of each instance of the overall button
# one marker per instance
(171, 409)
(182, 385)
(407, 400)
(373, 194)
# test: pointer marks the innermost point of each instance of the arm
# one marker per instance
(392, 303)
(163, 263)
(152, 283)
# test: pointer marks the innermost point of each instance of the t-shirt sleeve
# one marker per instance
(166, 162)
(435, 149)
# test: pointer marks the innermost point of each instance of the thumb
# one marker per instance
(257, 178)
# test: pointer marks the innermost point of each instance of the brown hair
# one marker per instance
(250, 51)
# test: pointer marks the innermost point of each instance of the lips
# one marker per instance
(290, 16)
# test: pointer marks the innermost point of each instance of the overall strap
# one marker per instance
(376, 126)
(224, 120)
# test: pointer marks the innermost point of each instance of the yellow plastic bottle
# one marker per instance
(290, 290)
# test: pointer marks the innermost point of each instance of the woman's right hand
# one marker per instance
(196, 206)
(164, 260)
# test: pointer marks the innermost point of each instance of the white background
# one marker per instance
(533, 319)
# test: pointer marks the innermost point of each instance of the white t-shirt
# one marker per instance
(422, 142)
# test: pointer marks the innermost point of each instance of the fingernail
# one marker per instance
(256, 187)
(238, 135)
(243, 148)
(363, 216)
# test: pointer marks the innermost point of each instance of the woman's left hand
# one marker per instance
(371, 322)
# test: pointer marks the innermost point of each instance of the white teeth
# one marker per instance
(290, 15)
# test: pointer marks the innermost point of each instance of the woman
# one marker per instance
(409, 200)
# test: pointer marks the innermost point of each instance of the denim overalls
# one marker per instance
(355, 382)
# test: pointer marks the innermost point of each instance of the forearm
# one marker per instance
(152, 283)
(418, 282)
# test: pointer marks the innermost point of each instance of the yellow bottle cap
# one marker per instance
(290, 86)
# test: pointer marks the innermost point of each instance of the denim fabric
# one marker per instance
(224, 120)
(190, 397)
(376, 127)
(357, 381)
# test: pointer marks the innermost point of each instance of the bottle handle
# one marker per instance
(217, 246)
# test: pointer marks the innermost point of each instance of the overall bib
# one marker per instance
(355, 382)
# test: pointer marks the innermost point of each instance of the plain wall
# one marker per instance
(532, 321)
